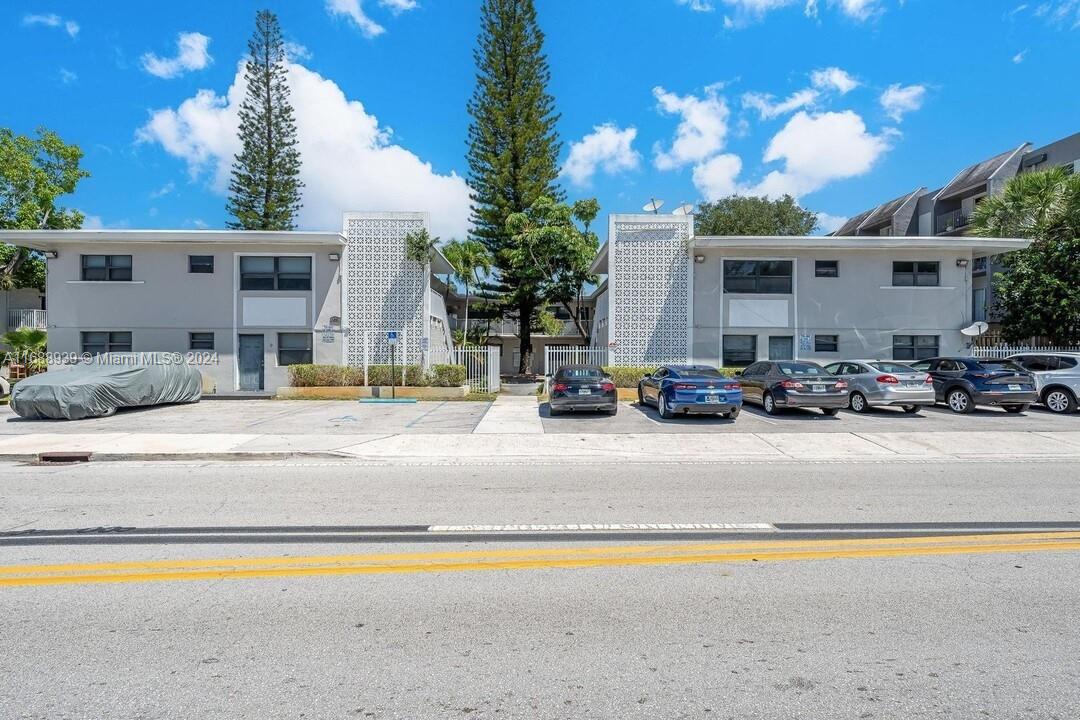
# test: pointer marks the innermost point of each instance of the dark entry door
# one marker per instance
(781, 348)
(251, 362)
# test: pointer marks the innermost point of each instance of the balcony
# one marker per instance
(510, 327)
(26, 318)
(952, 221)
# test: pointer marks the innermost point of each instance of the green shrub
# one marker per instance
(344, 376)
(628, 377)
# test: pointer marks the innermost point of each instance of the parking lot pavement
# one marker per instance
(270, 417)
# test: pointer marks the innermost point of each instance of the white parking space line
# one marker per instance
(597, 527)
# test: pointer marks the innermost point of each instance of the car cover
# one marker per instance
(99, 386)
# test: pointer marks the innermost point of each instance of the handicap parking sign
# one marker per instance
(391, 337)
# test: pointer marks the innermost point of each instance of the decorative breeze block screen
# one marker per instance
(648, 277)
(384, 291)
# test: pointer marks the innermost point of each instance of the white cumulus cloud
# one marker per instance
(607, 148)
(702, 130)
(745, 12)
(399, 6)
(191, 54)
(833, 78)
(697, 5)
(354, 10)
(819, 149)
(718, 176)
(860, 10)
(52, 20)
(349, 161)
(899, 100)
(827, 223)
(768, 107)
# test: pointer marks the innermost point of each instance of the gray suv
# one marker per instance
(1057, 378)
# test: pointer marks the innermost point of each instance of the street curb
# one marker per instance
(239, 456)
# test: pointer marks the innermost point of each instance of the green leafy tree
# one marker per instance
(265, 186)
(513, 150)
(420, 246)
(1038, 295)
(748, 215)
(553, 254)
(26, 346)
(469, 259)
(34, 173)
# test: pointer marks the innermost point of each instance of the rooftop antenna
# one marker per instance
(653, 206)
(684, 209)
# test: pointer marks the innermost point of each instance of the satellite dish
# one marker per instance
(653, 206)
(975, 329)
(684, 209)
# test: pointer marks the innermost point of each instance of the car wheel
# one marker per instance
(661, 406)
(1016, 409)
(831, 412)
(1060, 401)
(912, 409)
(858, 402)
(959, 401)
(769, 404)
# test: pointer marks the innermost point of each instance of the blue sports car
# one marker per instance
(691, 389)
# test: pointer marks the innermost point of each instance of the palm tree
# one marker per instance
(27, 345)
(1037, 205)
(470, 259)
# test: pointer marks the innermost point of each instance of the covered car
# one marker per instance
(98, 386)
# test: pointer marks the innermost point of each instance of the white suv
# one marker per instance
(1057, 378)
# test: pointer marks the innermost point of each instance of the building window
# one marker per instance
(106, 268)
(978, 266)
(762, 277)
(200, 263)
(914, 347)
(97, 343)
(826, 268)
(739, 350)
(201, 341)
(294, 348)
(826, 343)
(916, 274)
(275, 273)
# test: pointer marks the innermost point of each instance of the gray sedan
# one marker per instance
(876, 383)
(1057, 378)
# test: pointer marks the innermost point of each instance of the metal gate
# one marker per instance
(481, 365)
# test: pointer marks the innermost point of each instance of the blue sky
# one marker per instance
(845, 103)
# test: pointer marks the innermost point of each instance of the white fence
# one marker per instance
(26, 318)
(557, 356)
(1003, 351)
(481, 365)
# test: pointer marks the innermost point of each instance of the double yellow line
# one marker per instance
(531, 558)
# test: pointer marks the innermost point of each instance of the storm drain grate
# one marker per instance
(64, 457)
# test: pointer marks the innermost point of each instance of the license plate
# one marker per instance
(712, 398)
(584, 391)
(1014, 387)
(817, 388)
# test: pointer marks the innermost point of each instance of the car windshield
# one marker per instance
(580, 373)
(892, 367)
(701, 372)
(796, 369)
(1000, 366)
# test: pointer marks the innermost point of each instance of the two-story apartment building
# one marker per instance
(244, 304)
(947, 211)
(673, 297)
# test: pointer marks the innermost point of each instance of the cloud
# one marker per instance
(861, 10)
(718, 176)
(52, 20)
(353, 9)
(1019, 57)
(697, 5)
(833, 78)
(606, 148)
(399, 6)
(67, 77)
(163, 190)
(349, 161)
(818, 149)
(1061, 13)
(296, 52)
(768, 109)
(191, 54)
(827, 223)
(702, 130)
(899, 100)
(746, 12)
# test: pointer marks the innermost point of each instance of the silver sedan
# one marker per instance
(876, 383)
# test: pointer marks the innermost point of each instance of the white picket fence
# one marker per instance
(1004, 351)
(481, 365)
(559, 355)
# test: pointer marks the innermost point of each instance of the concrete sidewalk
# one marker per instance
(529, 447)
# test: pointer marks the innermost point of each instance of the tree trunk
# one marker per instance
(525, 332)
(465, 340)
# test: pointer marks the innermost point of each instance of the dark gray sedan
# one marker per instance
(792, 383)
(583, 387)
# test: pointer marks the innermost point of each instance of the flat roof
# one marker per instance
(49, 239)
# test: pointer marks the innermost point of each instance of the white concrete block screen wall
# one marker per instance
(730, 301)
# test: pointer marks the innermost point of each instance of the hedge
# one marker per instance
(345, 376)
(628, 377)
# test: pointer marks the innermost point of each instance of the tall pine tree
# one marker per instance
(513, 150)
(265, 186)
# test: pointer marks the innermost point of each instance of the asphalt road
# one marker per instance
(767, 628)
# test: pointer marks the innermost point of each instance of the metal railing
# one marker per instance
(557, 356)
(1004, 351)
(481, 365)
(953, 220)
(26, 318)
